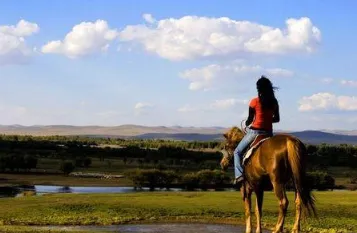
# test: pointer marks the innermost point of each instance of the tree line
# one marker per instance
(22, 151)
(95, 141)
(211, 179)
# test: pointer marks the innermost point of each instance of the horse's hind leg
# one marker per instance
(279, 191)
(296, 227)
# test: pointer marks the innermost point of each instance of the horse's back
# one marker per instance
(272, 156)
(281, 139)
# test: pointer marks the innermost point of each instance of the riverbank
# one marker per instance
(117, 177)
(61, 180)
(336, 210)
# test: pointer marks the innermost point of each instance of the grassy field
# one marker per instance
(336, 210)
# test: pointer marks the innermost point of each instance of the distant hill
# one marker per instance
(318, 137)
(311, 137)
(172, 133)
(181, 136)
(122, 130)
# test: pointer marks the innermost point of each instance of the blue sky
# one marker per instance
(188, 63)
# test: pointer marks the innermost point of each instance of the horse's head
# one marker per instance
(231, 139)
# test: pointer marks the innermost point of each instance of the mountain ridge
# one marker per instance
(187, 133)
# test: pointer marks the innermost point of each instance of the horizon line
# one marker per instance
(160, 126)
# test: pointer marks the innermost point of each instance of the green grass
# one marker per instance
(336, 210)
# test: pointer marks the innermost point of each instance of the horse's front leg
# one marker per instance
(248, 207)
(258, 209)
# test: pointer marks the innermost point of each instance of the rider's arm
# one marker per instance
(251, 114)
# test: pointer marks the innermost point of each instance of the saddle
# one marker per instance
(259, 139)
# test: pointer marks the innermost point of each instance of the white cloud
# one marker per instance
(85, 38)
(215, 75)
(23, 28)
(193, 37)
(142, 108)
(13, 112)
(108, 114)
(279, 72)
(226, 103)
(327, 80)
(328, 101)
(13, 47)
(350, 83)
(187, 108)
(217, 105)
(149, 18)
(141, 105)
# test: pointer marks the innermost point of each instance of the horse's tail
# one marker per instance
(297, 158)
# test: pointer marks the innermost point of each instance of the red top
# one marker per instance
(263, 118)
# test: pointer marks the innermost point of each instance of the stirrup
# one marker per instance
(238, 180)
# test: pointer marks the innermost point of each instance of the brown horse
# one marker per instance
(279, 158)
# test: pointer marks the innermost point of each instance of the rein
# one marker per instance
(243, 128)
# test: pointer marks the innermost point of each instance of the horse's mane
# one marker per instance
(234, 134)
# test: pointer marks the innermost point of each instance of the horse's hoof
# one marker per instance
(248, 231)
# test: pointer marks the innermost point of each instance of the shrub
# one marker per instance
(17, 161)
(87, 162)
(212, 178)
(220, 178)
(3, 162)
(30, 162)
(153, 178)
(78, 162)
(67, 167)
(205, 178)
(168, 178)
(320, 180)
(190, 181)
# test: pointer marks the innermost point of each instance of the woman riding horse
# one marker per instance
(263, 112)
(280, 158)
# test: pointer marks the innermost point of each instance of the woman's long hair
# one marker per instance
(266, 93)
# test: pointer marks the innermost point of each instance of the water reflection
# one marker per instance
(80, 189)
(16, 191)
(30, 190)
